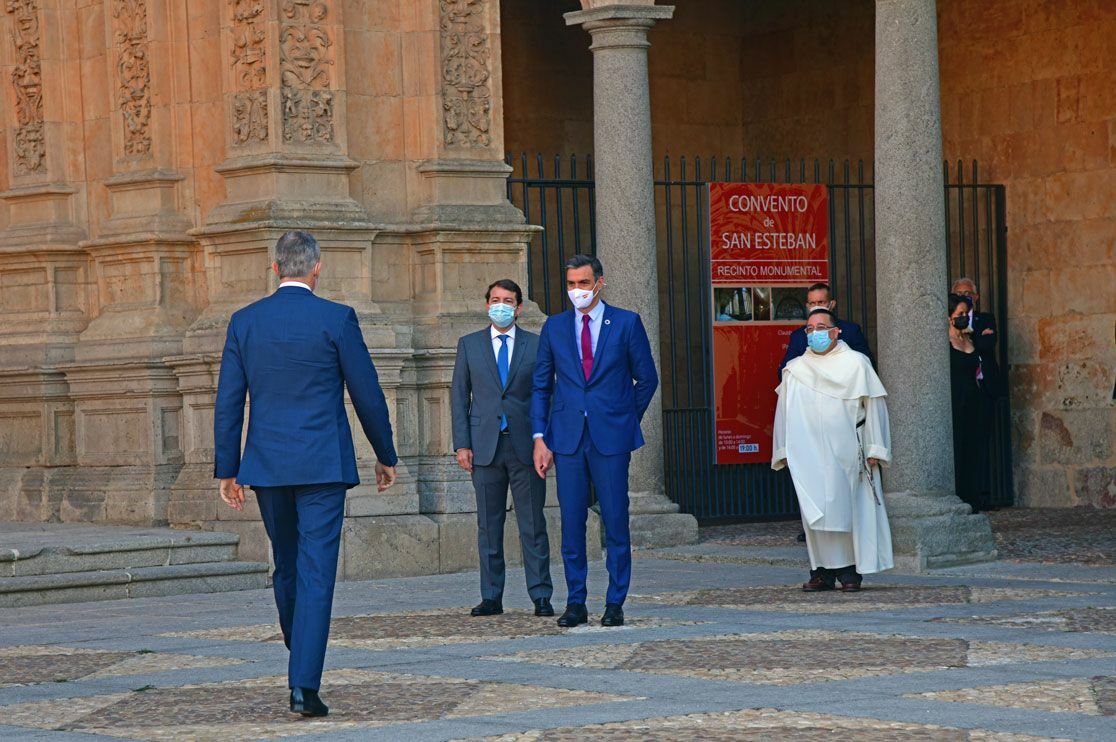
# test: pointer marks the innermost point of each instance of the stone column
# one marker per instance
(626, 244)
(930, 525)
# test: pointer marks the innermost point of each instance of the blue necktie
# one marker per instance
(502, 367)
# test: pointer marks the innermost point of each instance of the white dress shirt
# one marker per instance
(510, 332)
(296, 283)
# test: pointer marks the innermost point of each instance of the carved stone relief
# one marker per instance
(304, 61)
(466, 97)
(249, 65)
(27, 81)
(133, 68)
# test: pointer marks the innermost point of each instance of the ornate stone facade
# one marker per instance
(133, 68)
(305, 61)
(249, 64)
(171, 144)
(466, 95)
(28, 142)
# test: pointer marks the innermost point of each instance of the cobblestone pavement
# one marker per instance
(1046, 535)
(1010, 651)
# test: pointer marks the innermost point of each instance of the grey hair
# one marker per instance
(965, 279)
(580, 261)
(297, 253)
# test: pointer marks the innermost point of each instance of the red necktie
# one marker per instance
(586, 347)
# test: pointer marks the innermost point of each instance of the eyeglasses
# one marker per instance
(817, 328)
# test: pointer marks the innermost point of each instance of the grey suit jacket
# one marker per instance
(478, 400)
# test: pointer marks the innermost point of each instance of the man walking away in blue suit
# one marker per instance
(819, 296)
(594, 378)
(294, 355)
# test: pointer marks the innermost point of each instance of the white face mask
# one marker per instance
(582, 298)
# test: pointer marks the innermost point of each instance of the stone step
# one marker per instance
(28, 549)
(133, 582)
(657, 530)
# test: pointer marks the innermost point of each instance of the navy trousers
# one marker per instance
(304, 525)
(609, 475)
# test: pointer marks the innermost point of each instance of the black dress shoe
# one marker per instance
(487, 608)
(613, 615)
(575, 614)
(543, 607)
(306, 702)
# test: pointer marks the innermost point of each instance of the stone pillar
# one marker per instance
(930, 525)
(626, 244)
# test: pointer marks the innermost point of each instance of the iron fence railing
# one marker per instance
(557, 194)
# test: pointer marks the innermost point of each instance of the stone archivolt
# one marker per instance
(133, 74)
(249, 63)
(304, 60)
(466, 97)
(27, 80)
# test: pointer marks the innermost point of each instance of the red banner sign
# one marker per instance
(768, 242)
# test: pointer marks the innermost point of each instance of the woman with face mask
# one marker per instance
(972, 408)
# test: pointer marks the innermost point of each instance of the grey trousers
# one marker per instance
(529, 495)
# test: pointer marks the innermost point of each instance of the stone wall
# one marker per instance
(695, 70)
(1029, 89)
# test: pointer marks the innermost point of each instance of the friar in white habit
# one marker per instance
(831, 429)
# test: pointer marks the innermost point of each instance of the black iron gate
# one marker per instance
(557, 194)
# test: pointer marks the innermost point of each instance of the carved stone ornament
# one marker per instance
(304, 60)
(466, 97)
(133, 68)
(249, 65)
(27, 80)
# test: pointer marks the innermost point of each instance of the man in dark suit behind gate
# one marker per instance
(819, 296)
(491, 398)
(294, 355)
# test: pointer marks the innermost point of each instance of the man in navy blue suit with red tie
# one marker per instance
(594, 378)
(294, 355)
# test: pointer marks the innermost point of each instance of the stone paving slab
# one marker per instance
(1100, 619)
(760, 724)
(873, 597)
(423, 629)
(253, 709)
(795, 657)
(1095, 695)
(28, 665)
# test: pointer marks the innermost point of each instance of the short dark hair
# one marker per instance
(821, 287)
(580, 261)
(955, 299)
(823, 310)
(507, 285)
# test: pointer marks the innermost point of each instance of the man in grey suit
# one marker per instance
(491, 399)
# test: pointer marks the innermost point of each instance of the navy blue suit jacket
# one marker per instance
(850, 333)
(294, 354)
(618, 391)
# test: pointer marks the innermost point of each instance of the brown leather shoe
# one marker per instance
(850, 587)
(816, 585)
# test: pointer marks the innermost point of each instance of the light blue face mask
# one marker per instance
(502, 315)
(819, 341)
